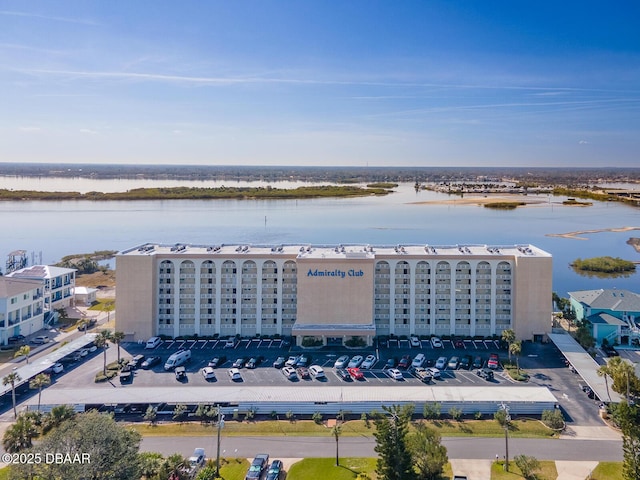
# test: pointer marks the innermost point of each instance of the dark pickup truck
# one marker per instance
(257, 467)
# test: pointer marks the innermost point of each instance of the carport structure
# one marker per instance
(586, 367)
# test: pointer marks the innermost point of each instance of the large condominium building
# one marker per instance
(333, 293)
(21, 307)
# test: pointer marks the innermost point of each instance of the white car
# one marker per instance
(415, 341)
(341, 362)
(291, 361)
(369, 362)
(316, 371)
(441, 363)
(395, 374)
(418, 361)
(355, 362)
(208, 373)
(289, 372)
(436, 342)
(435, 372)
(234, 374)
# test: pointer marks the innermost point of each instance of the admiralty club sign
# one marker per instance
(336, 273)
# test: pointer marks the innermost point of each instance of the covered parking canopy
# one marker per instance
(586, 366)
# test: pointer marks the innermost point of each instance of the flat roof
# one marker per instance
(340, 251)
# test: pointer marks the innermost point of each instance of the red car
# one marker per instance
(356, 373)
(493, 361)
(404, 362)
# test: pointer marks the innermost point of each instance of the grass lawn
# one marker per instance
(233, 468)
(448, 428)
(607, 471)
(326, 469)
(547, 471)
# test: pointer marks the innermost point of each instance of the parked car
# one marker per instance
(458, 343)
(279, 362)
(85, 325)
(356, 361)
(239, 362)
(177, 359)
(254, 361)
(356, 373)
(258, 466)
(391, 363)
(289, 373)
(454, 363)
(153, 342)
(423, 374)
(303, 372)
(208, 373)
(341, 362)
(418, 360)
(196, 461)
(216, 362)
(15, 339)
(493, 361)
(436, 342)
(303, 360)
(435, 372)
(465, 362)
(40, 340)
(135, 362)
(274, 470)
(291, 361)
(150, 362)
(404, 362)
(181, 373)
(415, 341)
(395, 374)
(441, 363)
(343, 374)
(234, 374)
(485, 373)
(126, 374)
(55, 368)
(478, 362)
(316, 371)
(230, 342)
(369, 362)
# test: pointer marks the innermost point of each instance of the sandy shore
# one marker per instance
(483, 199)
(576, 235)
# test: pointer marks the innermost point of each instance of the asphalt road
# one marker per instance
(457, 447)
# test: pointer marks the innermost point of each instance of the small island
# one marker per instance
(504, 205)
(572, 202)
(604, 265)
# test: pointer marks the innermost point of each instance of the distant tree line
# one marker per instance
(604, 265)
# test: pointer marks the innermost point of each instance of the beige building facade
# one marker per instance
(330, 294)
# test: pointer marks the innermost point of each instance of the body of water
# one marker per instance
(54, 229)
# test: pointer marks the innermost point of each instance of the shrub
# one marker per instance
(478, 415)
(455, 413)
(317, 417)
(431, 411)
(553, 418)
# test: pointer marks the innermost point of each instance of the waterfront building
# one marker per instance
(58, 283)
(330, 294)
(21, 307)
(612, 314)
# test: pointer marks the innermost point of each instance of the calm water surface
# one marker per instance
(66, 227)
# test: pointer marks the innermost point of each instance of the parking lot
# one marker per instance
(202, 351)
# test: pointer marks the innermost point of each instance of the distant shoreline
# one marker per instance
(576, 235)
(483, 199)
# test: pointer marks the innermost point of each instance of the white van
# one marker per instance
(418, 361)
(153, 342)
(177, 359)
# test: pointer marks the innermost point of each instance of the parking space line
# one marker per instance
(170, 344)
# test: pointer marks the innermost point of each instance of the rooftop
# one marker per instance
(608, 299)
(41, 271)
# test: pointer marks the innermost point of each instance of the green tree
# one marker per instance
(19, 435)
(394, 458)
(623, 375)
(117, 338)
(111, 448)
(23, 351)
(509, 336)
(528, 466)
(553, 418)
(179, 412)
(515, 349)
(207, 473)
(173, 467)
(150, 415)
(11, 379)
(428, 454)
(102, 341)
(40, 381)
(432, 410)
(336, 431)
(455, 413)
(57, 416)
(584, 336)
(150, 465)
(628, 417)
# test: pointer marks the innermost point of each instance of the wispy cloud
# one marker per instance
(13, 46)
(29, 129)
(88, 131)
(48, 17)
(583, 142)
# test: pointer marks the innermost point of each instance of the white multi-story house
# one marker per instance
(21, 307)
(58, 283)
(333, 293)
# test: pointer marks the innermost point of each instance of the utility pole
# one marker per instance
(507, 419)
(220, 425)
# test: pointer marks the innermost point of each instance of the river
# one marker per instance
(48, 230)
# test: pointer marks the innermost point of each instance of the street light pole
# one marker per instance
(507, 419)
(220, 425)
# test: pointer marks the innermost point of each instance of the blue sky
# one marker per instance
(411, 83)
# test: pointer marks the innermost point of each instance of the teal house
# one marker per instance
(613, 314)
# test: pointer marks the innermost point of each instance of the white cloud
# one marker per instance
(583, 142)
(88, 131)
(29, 129)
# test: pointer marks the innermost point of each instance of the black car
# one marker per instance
(239, 363)
(150, 362)
(136, 361)
(465, 362)
(478, 362)
(217, 361)
(181, 373)
(274, 470)
(391, 363)
(126, 374)
(343, 374)
(254, 362)
(15, 339)
(485, 373)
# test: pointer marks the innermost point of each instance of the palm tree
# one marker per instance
(41, 380)
(19, 436)
(509, 336)
(11, 379)
(117, 338)
(336, 431)
(23, 351)
(56, 416)
(516, 349)
(102, 341)
(603, 371)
